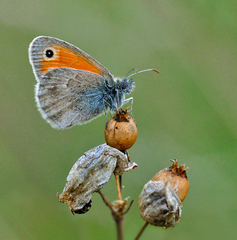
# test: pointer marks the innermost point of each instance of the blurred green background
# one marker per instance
(187, 112)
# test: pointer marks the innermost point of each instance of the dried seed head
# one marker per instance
(159, 201)
(121, 131)
(90, 173)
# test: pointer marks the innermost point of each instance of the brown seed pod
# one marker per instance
(121, 131)
(177, 178)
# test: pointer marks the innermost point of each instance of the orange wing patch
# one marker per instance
(64, 57)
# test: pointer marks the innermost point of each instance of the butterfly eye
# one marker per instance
(49, 53)
(124, 84)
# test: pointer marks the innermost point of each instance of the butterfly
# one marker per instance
(72, 87)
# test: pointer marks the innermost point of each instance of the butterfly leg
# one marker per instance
(126, 101)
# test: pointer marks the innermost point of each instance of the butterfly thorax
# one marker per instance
(114, 92)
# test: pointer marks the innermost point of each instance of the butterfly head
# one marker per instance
(126, 85)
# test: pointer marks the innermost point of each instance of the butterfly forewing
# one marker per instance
(63, 55)
(70, 82)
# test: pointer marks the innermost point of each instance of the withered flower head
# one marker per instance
(90, 173)
(160, 200)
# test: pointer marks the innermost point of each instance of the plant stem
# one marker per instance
(118, 180)
(117, 208)
(106, 200)
(120, 229)
(141, 231)
(120, 183)
(119, 217)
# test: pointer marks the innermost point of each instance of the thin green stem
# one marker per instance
(141, 231)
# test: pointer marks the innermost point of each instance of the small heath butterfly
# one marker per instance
(72, 87)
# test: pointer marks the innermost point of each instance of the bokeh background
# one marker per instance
(187, 112)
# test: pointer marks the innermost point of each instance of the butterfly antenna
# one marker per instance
(134, 69)
(146, 70)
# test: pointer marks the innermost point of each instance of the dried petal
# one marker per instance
(124, 165)
(159, 204)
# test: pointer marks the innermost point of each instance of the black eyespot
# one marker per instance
(49, 53)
